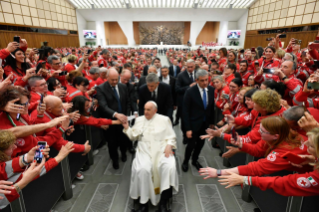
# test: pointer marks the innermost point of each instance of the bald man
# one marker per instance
(114, 103)
(154, 175)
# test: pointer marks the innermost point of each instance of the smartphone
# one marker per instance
(242, 51)
(63, 73)
(41, 99)
(16, 39)
(268, 39)
(282, 36)
(226, 96)
(268, 70)
(18, 116)
(38, 154)
(89, 51)
(43, 65)
(313, 85)
(233, 133)
(292, 157)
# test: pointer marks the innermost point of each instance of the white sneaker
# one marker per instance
(95, 152)
(79, 176)
(73, 186)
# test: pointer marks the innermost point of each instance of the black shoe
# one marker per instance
(197, 165)
(185, 167)
(124, 158)
(132, 150)
(162, 208)
(185, 141)
(143, 208)
(116, 165)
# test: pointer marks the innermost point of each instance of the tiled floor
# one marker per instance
(106, 190)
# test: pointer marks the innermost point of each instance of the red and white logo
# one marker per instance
(20, 142)
(302, 146)
(303, 182)
(271, 157)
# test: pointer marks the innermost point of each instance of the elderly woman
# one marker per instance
(221, 93)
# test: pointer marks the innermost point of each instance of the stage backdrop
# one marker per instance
(153, 33)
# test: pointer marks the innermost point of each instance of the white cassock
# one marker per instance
(152, 172)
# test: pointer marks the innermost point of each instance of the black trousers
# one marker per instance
(177, 115)
(116, 138)
(195, 145)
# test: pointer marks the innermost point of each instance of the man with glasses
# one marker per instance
(38, 87)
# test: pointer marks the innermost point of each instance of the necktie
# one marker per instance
(191, 76)
(174, 71)
(204, 99)
(118, 100)
(153, 96)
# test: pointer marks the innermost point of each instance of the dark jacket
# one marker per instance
(171, 71)
(172, 83)
(182, 84)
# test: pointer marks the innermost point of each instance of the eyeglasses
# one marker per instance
(23, 104)
(263, 132)
(43, 84)
(57, 63)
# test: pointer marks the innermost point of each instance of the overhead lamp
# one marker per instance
(128, 6)
(195, 5)
(231, 6)
(92, 5)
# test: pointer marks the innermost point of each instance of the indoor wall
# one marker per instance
(57, 14)
(209, 33)
(114, 34)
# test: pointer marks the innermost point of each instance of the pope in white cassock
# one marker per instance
(154, 175)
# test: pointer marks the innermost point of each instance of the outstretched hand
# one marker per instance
(231, 179)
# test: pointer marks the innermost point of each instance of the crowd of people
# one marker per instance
(271, 91)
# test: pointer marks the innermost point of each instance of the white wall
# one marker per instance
(242, 23)
(81, 26)
(198, 17)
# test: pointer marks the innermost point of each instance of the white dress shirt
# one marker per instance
(166, 80)
(189, 75)
(201, 93)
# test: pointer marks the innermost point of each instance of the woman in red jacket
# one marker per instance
(223, 59)
(232, 59)
(14, 170)
(221, 91)
(83, 105)
(276, 141)
(306, 184)
(79, 88)
(16, 64)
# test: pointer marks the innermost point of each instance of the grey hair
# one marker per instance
(151, 77)
(52, 57)
(190, 61)
(125, 71)
(220, 78)
(103, 69)
(32, 80)
(200, 73)
(104, 51)
(94, 70)
(154, 103)
(294, 113)
(164, 67)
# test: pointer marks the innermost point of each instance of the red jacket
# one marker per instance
(92, 56)
(17, 78)
(302, 97)
(217, 97)
(47, 117)
(100, 81)
(244, 77)
(291, 185)
(91, 81)
(229, 79)
(253, 120)
(274, 63)
(101, 60)
(4, 53)
(233, 103)
(222, 62)
(92, 121)
(34, 100)
(274, 162)
(293, 86)
(69, 67)
(26, 143)
(251, 66)
(73, 92)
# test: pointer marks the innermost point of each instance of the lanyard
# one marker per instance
(21, 120)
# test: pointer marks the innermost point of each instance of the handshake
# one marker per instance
(124, 119)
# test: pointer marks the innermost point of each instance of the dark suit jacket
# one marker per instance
(145, 70)
(141, 82)
(107, 101)
(172, 83)
(164, 99)
(133, 97)
(193, 109)
(182, 84)
(171, 71)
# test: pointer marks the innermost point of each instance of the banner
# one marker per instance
(211, 44)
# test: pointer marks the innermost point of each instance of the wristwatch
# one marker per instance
(219, 172)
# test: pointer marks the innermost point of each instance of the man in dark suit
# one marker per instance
(171, 81)
(142, 81)
(174, 69)
(158, 92)
(198, 114)
(185, 80)
(114, 104)
(146, 67)
(125, 79)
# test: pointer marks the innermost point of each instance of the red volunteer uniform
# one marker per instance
(293, 86)
(233, 103)
(229, 78)
(47, 117)
(306, 184)
(73, 92)
(273, 63)
(217, 96)
(303, 97)
(244, 77)
(100, 81)
(35, 99)
(17, 78)
(26, 143)
(92, 121)
(252, 120)
(102, 60)
(222, 63)
(69, 67)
